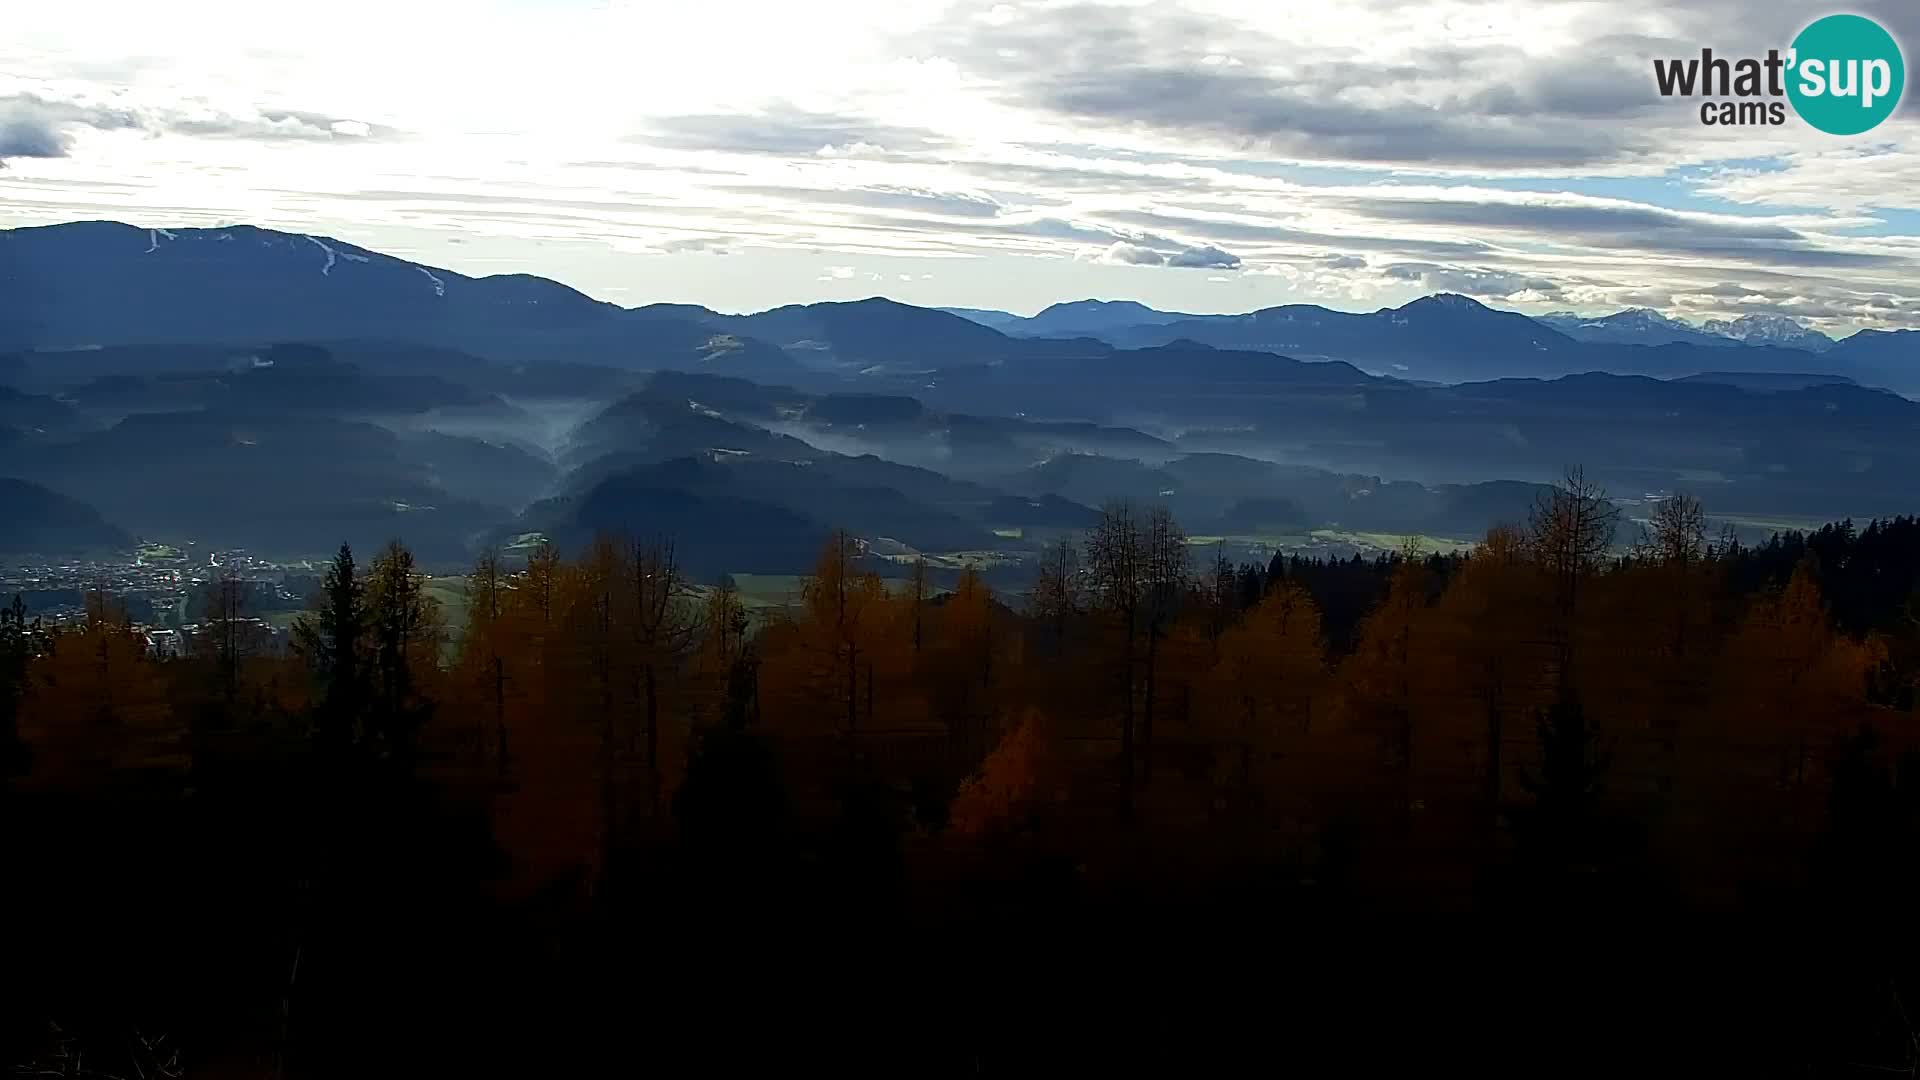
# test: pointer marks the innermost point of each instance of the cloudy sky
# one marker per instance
(1203, 155)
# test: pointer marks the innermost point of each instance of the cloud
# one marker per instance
(1299, 143)
(837, 273)
(1133, 255)
(1243, 232)
(1844, 177)
(1144, 68)
(1614, 224)
(1472, 281)
(1200, 258)
(1604, 87)
(33, 111)
(270, 125)
(1204, 258)
(780, 130)
(945, 203)
(51, 111)
(34, 127)
(703, 245)
(30, 138)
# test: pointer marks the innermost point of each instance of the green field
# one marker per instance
(1767, 523)
(1306, 542)
(451, 594)
(758, 591)
(1380, 541)
(523, 544)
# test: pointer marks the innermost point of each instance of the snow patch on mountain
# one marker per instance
(327, 269)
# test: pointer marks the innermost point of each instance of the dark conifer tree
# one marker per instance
(333, 640)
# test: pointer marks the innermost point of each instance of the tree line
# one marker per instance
(279, 856)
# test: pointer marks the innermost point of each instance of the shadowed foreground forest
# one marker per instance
(1660, 809)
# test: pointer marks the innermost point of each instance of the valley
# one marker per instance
(366, 397)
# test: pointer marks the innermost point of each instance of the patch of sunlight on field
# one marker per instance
(451, 594)
(957, 560)
(523, 544)
(1380, 541)
(1701, 476)
(1767, 522)
(768, 590)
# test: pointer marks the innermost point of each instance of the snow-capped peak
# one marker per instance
(1655, 318)
(1766, 328)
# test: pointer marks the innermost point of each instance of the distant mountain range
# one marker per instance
(1308, 329)
(88, 285)
(1645, 326)
(1074, 318)
(91, 284)
(1632, 326)
(285, 392)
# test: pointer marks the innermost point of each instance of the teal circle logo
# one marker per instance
(1846, 74)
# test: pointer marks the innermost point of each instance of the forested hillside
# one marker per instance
(385, 838)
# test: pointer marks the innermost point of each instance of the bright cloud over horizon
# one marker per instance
(1200, 155)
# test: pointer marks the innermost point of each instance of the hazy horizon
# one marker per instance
(1025, 311)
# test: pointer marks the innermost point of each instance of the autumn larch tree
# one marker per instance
(917, 600)
(1056, 595)
(724, 663)
(1570, 532)
(483, 651)
(1270, 665)
(960, 668)
(844, 607)
(97, 714)
(1381, 684)
(1117, 582)
(663, 629)
(227, 639)
(1489, 634)
(1164, 547)
(1672, 582)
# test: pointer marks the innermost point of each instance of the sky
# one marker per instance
(1196, 155)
